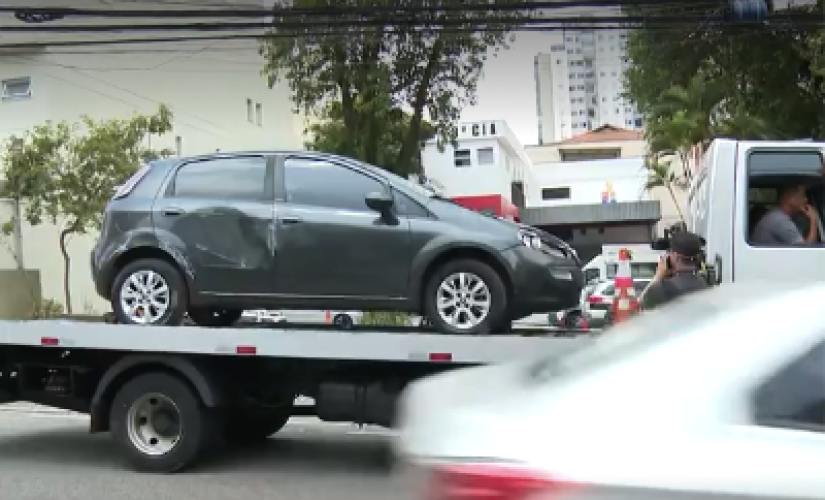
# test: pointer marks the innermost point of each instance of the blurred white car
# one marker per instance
(263, 316)
(720, 395)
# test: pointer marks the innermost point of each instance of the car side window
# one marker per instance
(406, 206)
(321, 183)
(239, 178)
(794, 397)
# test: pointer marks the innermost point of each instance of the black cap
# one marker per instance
(686, 244)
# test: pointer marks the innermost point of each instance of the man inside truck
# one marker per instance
(777, 227)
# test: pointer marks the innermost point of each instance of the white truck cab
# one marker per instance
(735, 185)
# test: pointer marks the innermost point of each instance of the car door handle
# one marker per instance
(289, 219)
(172, 211)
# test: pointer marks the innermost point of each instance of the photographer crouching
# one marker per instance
(678, 272)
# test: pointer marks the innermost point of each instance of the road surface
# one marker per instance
(50, 456)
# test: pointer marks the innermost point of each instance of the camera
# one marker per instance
(663, 244)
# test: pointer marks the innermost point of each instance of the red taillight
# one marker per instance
(491, 482)
(595, 299)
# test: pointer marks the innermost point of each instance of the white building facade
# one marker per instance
(215, 89)
(488, 161)
(579, 85)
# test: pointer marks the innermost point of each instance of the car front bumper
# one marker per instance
(543, 282)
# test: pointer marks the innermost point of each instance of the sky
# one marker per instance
(508, 89)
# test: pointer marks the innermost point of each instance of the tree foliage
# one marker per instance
(406, 57)
(331, 135)
(65, 173)
(698, 82)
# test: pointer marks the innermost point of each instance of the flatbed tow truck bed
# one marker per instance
(170, 394)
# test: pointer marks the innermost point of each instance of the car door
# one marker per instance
(219, 212)
(330, 244)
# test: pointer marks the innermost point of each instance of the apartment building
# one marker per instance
(579, 84)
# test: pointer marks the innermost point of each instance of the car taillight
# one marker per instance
(595, 299)
(491, 482)
(124, 189)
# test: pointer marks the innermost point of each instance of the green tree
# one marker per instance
(331, 135)
(426, 61)
(66, 173)
(756, 74)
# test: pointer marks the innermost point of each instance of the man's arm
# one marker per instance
(786, 232)
(653, 296)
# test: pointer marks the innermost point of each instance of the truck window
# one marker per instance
(769, 171)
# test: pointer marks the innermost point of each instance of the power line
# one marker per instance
(363, 23)
(331, 11)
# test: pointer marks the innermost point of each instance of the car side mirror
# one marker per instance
(380, 202)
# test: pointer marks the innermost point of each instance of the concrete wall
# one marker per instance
(19, 293)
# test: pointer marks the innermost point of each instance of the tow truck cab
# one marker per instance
(736, 183)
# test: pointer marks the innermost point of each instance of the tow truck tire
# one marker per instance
(497, 311)
(158, 408)
(214, 318)
(245, 428)
(178, 298)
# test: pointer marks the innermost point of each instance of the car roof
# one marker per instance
(283, 152)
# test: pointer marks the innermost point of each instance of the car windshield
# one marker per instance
(682, 317)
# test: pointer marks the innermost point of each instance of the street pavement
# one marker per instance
(49, 455)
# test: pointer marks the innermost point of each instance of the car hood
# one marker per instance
(471, 220)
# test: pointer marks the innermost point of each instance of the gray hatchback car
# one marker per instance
(210, 236)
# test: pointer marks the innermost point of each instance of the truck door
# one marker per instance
(766, 167)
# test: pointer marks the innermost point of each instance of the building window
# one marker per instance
(558, 193)
(485, 156)
(17, 88)
(259, 114)
(178, 146)
(463, 158)
(250, 116)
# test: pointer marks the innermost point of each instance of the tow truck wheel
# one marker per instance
(246, 428)
(160, 423)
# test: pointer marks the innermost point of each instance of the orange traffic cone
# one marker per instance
(328, 317)
(625, 303)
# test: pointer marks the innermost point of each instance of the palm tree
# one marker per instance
(695, 114)
(660, 174)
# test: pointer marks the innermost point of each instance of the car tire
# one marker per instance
(194, 421)
(177, 293)
(247, 428)
(496, 313)
(212, 317)
(343, 322)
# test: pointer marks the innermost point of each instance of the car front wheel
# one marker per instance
(466, 296)
(149, 292)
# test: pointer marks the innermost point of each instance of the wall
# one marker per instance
(19, 291)
(467, 181)
(587, 180)
(206, 89)
(552, 152)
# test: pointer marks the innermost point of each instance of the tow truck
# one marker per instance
(168, 395)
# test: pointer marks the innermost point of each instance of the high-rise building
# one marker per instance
(579, 85)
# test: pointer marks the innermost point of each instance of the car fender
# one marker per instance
(436, 249)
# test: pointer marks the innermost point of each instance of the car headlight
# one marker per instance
(530, 240)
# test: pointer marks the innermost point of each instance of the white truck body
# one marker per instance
(734, 178)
